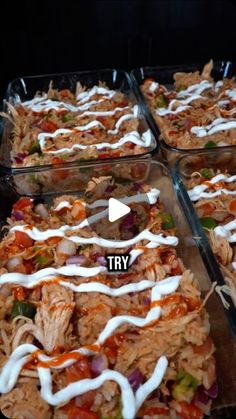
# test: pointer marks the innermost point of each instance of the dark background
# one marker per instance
(39, 37)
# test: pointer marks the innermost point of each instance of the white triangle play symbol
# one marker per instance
(117, 209)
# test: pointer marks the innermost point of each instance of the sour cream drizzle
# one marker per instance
(165, 287)
(226, 231)
(96, 90)
(196, 89)
(219, 124)
(198, 191)
(149, 197)
(134, 137)
(41, 103)
(43, 136)
(182, 107)
(35, 234)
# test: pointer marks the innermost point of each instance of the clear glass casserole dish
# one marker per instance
(58, 117)
(74, 180)
(164, 76)
(204, 162)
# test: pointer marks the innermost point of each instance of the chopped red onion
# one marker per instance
(20, 157)
(98, 364)
(135, 379)
(212, 391)
(146, 301)
(201, 396)
(98, 257)
(76, 260)
(110, 188)
(128, 222)
(101, 260)
(136, 186)
(19, 215)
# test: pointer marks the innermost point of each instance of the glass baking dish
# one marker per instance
(25, 88)
(73, 181)
(184, 167)
(164, 75)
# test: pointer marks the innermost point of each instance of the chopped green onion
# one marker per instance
(210, 144)
(167, 221)
(161, 101)
(23, 308)
(207, 173)
(208, 222)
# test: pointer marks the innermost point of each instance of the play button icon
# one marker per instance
(116, 209)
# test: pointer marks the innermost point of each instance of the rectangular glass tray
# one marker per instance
(184, 167)
(25, 88)
(74, 181)
(164, 75)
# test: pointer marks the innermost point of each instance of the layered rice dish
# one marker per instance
(77, 341)
(214, 196)
(196, 112)
(61, 126)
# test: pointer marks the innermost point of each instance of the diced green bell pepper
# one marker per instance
(186, 386)
(167, 221)
(161, 101)
(23, 308)
(207, 173)
(35, 148)
(208, 222)
(210, 144)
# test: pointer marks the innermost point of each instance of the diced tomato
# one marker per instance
(177, 270)
(104, 156)
(150, 411)
(123, 104)
(78, 211)
(77, 412)
(78, 371)
(29, 266)
(18, 293)
(232, 206)
(57, 160)
(64, 93)
(53, 240)
(130, 145)
(115, 154)
(205, 348)
(138, 170)
(61, 174)
(86, 400)
(22, 203)
(48, 126)
(112, 345)
(23, 240)
(190, 411)
(208, 209)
